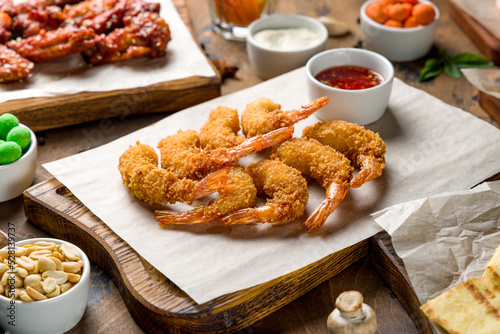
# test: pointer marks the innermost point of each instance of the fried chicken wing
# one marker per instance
(5, 27)
(147, 34)
(54, 44)
(13, 67)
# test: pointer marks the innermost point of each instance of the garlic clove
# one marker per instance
(335, 27)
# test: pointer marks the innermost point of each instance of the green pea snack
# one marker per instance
(7, 122)
(21, 136)
(9, 152)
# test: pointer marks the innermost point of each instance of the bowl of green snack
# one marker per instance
(18, 157)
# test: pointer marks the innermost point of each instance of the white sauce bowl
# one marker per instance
(361, 106)
(268, 62)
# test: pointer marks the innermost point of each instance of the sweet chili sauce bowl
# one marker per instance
(361, 106)
(269, 62)
(54, 315)
(398, 44)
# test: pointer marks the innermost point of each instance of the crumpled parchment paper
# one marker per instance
(432, 147)
(486, 80)
(447, 238)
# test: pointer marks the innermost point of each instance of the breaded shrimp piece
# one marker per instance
(221, 129)
(181, 153)
(329, 167)
(238, 192)
(263, 115)
(363, 147)
(140, 172)
(286, 189)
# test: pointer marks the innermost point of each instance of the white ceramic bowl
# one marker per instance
(361, 106)
(18, 175)
(268, 62)
(54, 315)
(398, 44)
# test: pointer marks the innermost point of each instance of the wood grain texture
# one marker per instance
(484, 40)
(490, 104)
(44, 113)
(159, 306)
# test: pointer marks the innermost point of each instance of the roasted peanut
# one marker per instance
(39, 271)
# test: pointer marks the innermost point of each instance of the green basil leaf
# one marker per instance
(468, 59)
(452, 69)
(443, 53)
(432, 69)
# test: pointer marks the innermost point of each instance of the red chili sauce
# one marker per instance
(349, 77)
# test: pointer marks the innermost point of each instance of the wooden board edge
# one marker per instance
(244, 307)
(490, 104)
(392, 271)
(48, 113)
(480, 36)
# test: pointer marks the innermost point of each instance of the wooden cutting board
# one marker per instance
(159, 306)
(43, 113)
(484, 40)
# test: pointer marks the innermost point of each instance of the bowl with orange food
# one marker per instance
(400, 30)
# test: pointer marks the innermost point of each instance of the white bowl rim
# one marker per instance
(402, 30)
(86, 263)
(25, 154)
(321, 27)
(387, 81)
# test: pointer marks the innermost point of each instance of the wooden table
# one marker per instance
(106, 311)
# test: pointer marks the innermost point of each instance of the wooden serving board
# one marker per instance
(43, 113)
(484, 40)
(490, 104)
(159, 306)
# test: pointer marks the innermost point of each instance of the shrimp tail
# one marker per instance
(370, 169)
(258, 143)
(213, 182)
(335, 194)
(306, 110)
(170, 217)
(248, 216)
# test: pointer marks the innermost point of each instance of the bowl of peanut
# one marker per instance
(44, 286)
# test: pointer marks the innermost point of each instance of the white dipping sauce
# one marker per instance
(290, 39)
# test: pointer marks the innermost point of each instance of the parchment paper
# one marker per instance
(486, 80)
(432, 147)
(445, 239)
(70, 75)
(484, 12)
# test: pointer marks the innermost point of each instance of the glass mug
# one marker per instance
(231, 17)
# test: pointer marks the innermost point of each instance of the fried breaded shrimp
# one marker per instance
(221, 128)
(263, 115)
(363, 147)
(181, 153)
(238, 192)
(329, 167)
(286, 188)
(140, 172)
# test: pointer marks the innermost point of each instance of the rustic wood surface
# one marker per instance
(106, 311)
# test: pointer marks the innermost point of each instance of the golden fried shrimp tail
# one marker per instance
(255, 144)
(212, 183)
(304, 112)
(370, 169)
(335, 194)
(364, 148)
(263, 115)
(286, 189)
(236, 193)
